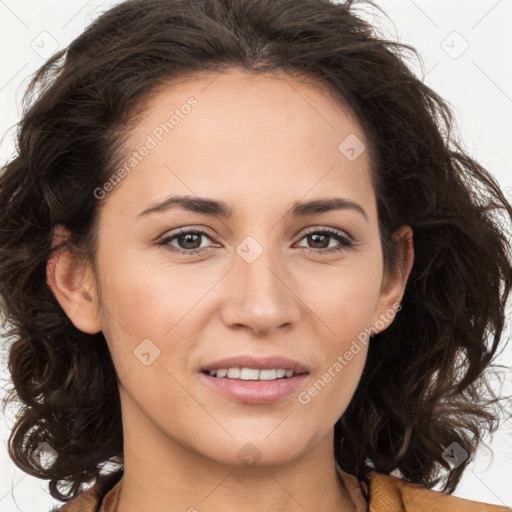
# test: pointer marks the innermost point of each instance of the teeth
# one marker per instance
(251, 373)
(233, 373)
(267, 374)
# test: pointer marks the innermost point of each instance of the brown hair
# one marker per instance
(424, 385)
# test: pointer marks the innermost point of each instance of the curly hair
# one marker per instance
(424, 384)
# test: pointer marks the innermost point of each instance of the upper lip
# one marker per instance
(261, 363)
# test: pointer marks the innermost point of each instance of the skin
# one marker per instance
(258, 143)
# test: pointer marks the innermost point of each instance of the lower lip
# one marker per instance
(256, 391)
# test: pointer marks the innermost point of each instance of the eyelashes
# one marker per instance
(317, 236)
(183, 234)
(344, 240)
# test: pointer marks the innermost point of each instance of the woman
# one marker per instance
(245, 266)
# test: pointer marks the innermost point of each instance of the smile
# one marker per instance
(251, 373)
(255, 391)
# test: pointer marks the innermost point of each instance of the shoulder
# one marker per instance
(389, 493)
(87, 501)
(92, 499)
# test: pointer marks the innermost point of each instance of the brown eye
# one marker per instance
(320, 240)
(186, 241)
(189, 241)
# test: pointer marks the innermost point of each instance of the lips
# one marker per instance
(260, 363)
(255, 392)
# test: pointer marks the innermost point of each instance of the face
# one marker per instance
(183, 284)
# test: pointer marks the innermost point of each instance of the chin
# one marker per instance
(258, 450)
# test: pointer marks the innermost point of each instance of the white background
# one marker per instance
(476, 81)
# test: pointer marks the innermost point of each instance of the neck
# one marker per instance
(161, 474)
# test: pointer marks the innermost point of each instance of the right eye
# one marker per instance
(186, 240)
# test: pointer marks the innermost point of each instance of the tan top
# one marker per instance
(387, 494)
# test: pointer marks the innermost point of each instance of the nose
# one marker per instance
(260, 296)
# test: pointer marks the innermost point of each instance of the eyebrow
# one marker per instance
(222, 209)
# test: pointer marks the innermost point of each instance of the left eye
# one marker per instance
(190, 242)
(319, 237)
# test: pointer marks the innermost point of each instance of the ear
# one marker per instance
(72, 282)
(394, 283)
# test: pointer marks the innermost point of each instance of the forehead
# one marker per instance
(270, 97)
(234, 131)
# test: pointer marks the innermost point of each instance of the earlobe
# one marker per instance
(72, 282)
(404, 238)
(393, 288)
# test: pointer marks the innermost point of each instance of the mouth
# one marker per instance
(252, 380)
(249, 367)
(265, 374)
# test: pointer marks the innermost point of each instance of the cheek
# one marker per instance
(152, 296)
(344, 307)
(346, 296)
(335, 377)
(150, 301)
